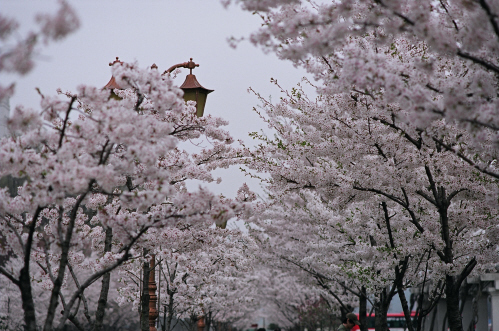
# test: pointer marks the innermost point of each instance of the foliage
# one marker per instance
(103, 179)
(388, 178)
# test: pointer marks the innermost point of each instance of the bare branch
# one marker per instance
(466, 271)
(492, 16)
(70, 106)
(415, 142)
(479, 61)
(9, 276)
(447, 11)
(466, 159)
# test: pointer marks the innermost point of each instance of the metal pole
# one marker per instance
(153, 312)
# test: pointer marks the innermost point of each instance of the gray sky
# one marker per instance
(165, 33)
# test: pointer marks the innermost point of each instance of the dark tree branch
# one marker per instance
(83, 298)
(388, 227)
(433, 187)
(466, 159)
(321, 284)
(9, 276)
(453, 194)
(479, 61)
(447, 11)
(492, 16)
(328, 64)
(479, 123)
(25, 277)
(414, 220)
(389, 196)
(403, 17)
(427, 197)
(101, 157)
(380, 151)
(434, 89)
(63, 130)
(65, 246)
(140, 99)
(437, 294)
(126, 255)
(466, 271)
(416, 142)
(75, 322)
(320, 276)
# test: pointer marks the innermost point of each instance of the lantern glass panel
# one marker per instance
(199, 96)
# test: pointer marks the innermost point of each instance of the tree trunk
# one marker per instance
(144, 313)
(106, 280)
(380, 321)
(363, 309)
(170, 312)
(27, 298)
(208, 321)
(452, 300)
(65, 246)
(25, 279)
(380, 310)
(405, 307)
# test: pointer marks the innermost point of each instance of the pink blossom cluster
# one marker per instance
(104, 180)
(18, 55)
(387, 179)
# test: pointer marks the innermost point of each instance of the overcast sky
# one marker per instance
(165, 33)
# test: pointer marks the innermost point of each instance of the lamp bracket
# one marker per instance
(189, 65)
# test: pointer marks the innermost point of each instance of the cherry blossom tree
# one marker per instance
(407, 96)
(295, 239)
(373, 198)
(99, 174)
(433, 58)
(18, 55)
(198, 270)
(102, 179)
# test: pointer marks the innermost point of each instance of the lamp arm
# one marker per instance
(189, 65)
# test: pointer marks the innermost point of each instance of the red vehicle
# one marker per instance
(396, 321)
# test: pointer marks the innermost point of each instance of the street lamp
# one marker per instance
(193, 91)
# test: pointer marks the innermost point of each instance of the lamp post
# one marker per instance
(153, 299)
(201, 324)
(193, 91)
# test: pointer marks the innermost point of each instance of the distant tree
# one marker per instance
(198, 270)
(356, 196)
(400, 144)
(18, 55)
(434, 59)
(98, 173)
(273, 326)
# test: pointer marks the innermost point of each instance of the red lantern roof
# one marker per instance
(191, 83)
(112, 82)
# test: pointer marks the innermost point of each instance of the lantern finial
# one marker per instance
(116, 61)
